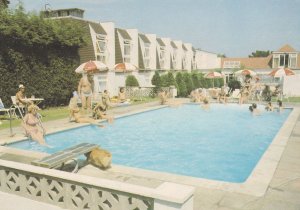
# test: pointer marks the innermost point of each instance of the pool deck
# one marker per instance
(282, 192)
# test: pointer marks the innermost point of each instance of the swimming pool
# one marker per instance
(224, 143)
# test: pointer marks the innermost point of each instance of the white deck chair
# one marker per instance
(20, 108)
(3, 109)
(235, 95)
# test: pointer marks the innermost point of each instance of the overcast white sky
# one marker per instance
(233, 27)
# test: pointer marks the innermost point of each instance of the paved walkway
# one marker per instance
(283, 192)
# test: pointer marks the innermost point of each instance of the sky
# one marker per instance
(235, 28)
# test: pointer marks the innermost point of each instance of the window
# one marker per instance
(101, 83)
(275, 60)
(293, 60)
(231, 64)
(184, 61)
(147, 55)
(162, 57)
(101, 48)
(285, 60)
(127, 51)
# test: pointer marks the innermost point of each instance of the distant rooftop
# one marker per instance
(74, 12)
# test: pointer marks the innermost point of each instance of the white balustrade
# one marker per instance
(74, 191)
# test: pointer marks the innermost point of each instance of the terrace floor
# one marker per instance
(283, 192)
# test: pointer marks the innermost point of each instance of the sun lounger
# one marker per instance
(59, 158)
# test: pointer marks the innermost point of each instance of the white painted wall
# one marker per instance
(109, 28)
(207, 60)
(167, 42)
(291, 85)
(189, 56)
(179, 55)
(152, 39)
(134, 56)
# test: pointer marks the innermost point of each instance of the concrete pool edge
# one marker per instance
(256, 184)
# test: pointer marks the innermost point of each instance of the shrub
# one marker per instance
(156, 81)
(188, 82)
(182, 90)
(41, 54)
(131, 81)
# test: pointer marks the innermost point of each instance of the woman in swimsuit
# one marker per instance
(32, 125)
(85, 91)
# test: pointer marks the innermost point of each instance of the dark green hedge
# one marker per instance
(41, 54)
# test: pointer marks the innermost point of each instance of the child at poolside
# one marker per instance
(280, 106)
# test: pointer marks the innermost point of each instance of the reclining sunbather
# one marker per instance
(75, 113)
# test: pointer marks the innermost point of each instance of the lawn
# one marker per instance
(56, 113)
(48, 114)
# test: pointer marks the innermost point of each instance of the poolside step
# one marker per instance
(59, 158)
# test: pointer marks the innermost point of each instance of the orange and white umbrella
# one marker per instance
(123, 67)
(212, 75)
(91, 67)
(246, 72)
(281, 72)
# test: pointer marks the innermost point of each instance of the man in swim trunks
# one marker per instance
(85, 91)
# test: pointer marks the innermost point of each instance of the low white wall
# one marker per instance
(291, 85)
(63, 189)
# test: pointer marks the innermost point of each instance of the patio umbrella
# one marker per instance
(213, 75)
(281, 72)
(91, 67)
(123, 67)
(245, 72)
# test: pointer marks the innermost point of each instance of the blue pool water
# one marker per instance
(224, 143)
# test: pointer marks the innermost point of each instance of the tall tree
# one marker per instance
(4, 3)
(259, 53)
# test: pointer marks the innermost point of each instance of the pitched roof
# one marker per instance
(144, 38)
(160, 42)
(124, 33)
(251, 63)
(173, 45)
(286, 48)
(98, 28)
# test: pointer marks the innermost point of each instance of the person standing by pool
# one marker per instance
(222, 97)
(280, 106)
(85, 91)
(33, 126)
(244, 94)
(163, 95)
